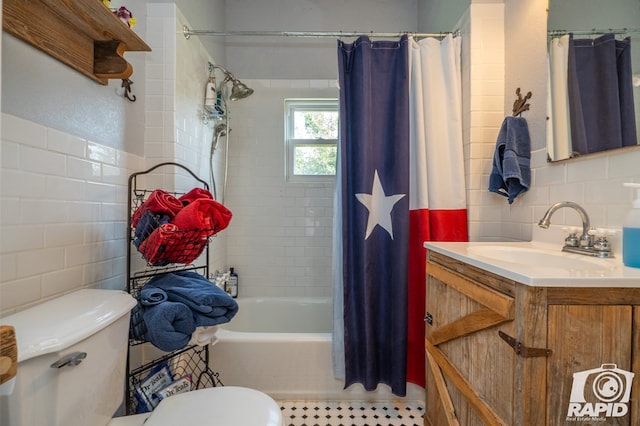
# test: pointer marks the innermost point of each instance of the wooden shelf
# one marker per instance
(83, 34)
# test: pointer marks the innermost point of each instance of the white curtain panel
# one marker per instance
(559, 124)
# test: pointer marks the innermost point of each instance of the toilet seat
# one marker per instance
(224, 405)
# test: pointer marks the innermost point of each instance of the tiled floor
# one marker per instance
(350, 413)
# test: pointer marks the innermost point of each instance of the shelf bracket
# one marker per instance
(523, 350)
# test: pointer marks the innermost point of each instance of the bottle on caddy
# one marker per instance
(232, 284)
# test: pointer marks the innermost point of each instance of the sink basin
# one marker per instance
(540, 264)
(540, 258)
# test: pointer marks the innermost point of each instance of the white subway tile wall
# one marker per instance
(64, 198)
(176, 74)
(483, 106)
(280, 237)
(63, 216)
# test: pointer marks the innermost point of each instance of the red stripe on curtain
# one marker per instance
(448, 225)
(425, 225)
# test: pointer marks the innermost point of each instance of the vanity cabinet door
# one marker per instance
(566, 355)
(589, 343)
(470, 369)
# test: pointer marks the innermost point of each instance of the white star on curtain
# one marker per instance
(379, 206)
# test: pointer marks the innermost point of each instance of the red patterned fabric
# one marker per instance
(167, 244)
(160, 244)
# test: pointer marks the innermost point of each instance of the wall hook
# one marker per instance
(520, 104)
(126, 83)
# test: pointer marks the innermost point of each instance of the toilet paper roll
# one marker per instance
(8, 357)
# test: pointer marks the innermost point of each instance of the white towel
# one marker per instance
(204, 335)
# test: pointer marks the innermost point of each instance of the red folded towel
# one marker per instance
(194, 194)
(205, 215)
(160, 247)
(168, 244)
(159, 202)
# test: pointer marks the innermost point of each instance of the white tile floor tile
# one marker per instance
(351, 413)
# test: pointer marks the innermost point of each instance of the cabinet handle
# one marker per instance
(428, 318)
(523, 350)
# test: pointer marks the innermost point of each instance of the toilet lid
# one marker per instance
(224, 405)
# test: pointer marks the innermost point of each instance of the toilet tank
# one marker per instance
(88, 327)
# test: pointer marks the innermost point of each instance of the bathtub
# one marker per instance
(282, 346)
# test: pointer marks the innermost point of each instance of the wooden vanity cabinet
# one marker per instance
(501, 352)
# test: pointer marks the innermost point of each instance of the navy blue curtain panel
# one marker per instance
(374, 117)
(601, 94)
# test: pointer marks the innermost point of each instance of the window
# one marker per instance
(311, 134)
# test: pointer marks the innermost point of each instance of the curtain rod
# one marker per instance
(594, 31)
(311, 34)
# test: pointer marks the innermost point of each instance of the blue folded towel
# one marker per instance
(146, 225)
(169, 325)
(150, 295)
(210, 304)
(511, 173)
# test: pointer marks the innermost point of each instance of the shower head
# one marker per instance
(239, 90)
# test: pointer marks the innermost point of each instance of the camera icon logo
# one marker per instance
(600, 392)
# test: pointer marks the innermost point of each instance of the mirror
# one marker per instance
(571, 131)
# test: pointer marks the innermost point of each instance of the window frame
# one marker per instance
(291, 106)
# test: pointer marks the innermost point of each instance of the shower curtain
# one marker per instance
(400, 129)
(601, 94)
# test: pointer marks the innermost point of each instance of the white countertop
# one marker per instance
(570, 270)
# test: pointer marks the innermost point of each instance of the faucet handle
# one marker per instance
(602, 232)
(571, 229)
(572, 239)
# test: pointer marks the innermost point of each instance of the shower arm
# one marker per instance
(239, 90)
(227, 75)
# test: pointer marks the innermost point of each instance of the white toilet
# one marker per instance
(87, 332)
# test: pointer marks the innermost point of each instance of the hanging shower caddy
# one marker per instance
(191, 360)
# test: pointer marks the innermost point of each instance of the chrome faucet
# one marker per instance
(585, 244)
